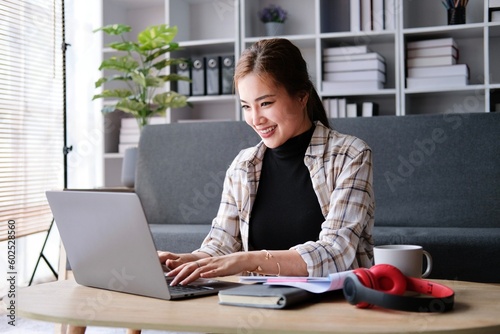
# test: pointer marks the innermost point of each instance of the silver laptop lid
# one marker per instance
(108, 241)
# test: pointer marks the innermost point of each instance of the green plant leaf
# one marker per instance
(123, 64)
(152, 81)
(108, 108)
(125, 46)
(174, 77)
(130, 106)
(170, 100)
(114, 93)
(155, 37)
(115, 29)
(139, 78)
(172, 46)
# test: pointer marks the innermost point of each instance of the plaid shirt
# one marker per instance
(341, 172)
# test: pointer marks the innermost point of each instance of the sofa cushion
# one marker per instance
(181, 168)
(179, 238)
(433, 170)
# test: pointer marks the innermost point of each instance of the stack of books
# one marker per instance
(352, 68)
(340, 107)
(130, 133)
(434, 63)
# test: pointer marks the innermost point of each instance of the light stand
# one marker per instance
(66, 149)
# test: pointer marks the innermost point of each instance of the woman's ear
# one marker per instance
(303, 98)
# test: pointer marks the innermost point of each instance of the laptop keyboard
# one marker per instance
(188, 288)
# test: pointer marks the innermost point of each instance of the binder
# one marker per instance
(184, 87)
(227, 74)
(213, 75)
(198, 77)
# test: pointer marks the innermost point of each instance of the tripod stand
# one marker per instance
(66, 149)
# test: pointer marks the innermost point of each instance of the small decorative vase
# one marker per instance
(129, 166)
(274, 28)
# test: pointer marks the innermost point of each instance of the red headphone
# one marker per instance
(384, 285)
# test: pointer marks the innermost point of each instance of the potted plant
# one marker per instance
(274, 18)
(142, 71)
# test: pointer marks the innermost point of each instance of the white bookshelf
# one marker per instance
(208, 27)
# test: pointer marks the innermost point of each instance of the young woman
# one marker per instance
(300, 203)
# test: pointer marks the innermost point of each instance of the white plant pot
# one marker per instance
(274, 28)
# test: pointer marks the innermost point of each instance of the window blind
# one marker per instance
(31, 112)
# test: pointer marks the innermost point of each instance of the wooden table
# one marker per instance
(477, 310)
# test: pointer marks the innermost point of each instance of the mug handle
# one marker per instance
(429, 263)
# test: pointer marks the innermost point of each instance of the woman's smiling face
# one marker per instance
(271, 111)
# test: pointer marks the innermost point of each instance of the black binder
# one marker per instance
(227, 64)
(198, 77)
(184, 87)
(213, 75)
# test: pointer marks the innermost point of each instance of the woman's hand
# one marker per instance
(173, 260)
(210, 267)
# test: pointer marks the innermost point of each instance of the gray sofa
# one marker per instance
(436, 183)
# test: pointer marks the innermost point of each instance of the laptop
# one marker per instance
(109, 245)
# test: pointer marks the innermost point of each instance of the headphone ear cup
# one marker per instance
(389, 279)
(366, 278)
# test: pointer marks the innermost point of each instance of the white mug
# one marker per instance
(407, 258)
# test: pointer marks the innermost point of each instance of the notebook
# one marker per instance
(109, 245)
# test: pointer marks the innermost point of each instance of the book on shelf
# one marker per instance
(366, 15)
(434, 71)
(264, 296)
(364, 75)
(354, 57)
(339, 86)
(446, 81)
(342, 107)
(448, 50)
(431, 61)
(495, 16)
(334, 108)
(377, 15)
(432, 43)
(351, 110)
(369, 109)
(131, 122)
(355, 15)
(129, 138)
(355, 65)
(389, 15)
(345, 50)
(494, 3)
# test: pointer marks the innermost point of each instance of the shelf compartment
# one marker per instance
(494, 54)
(300, 19)
(432, 13)
(467, 100)
(199, 20)
(134, 14)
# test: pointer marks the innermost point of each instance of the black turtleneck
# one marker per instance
(286, 211)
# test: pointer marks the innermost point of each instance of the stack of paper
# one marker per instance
(352, 68)
(433, 63)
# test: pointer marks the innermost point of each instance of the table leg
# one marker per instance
(76, 330)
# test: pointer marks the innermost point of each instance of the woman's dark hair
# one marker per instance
(282, 61)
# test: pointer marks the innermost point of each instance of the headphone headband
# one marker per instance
(443, 297)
